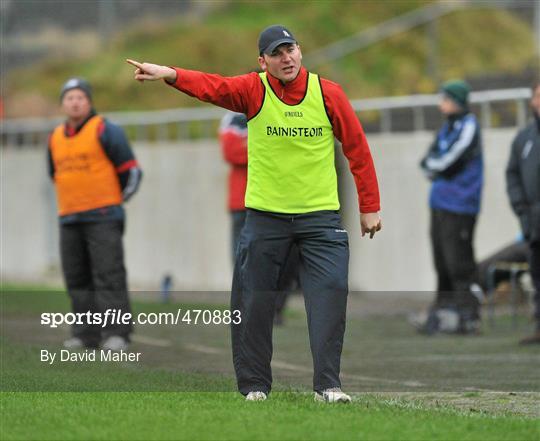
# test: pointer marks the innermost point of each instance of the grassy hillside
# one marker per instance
(471, 43)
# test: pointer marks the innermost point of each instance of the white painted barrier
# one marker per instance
(178, 222)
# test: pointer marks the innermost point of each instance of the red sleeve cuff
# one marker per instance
(126, 166)
(179, 73)
(373, 208)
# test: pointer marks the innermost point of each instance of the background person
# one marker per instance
(94, 172)
(523, 187)
(233, 134)
(454, 164)
(292, 198)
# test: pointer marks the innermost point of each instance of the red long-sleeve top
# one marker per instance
(245, 93)
(233, 139)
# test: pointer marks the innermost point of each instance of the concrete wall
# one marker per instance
(400, 258)
(178, 223)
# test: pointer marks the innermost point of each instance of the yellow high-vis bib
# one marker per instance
(291, 165)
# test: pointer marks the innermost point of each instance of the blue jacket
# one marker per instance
(455, 165)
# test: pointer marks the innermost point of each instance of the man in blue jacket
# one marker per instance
(454, 164)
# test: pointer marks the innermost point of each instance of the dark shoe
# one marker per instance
(531, 339)
(469, 321)
(431, 324)
(469, 327)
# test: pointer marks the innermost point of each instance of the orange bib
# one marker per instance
(85, 177)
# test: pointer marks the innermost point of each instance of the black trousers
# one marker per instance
(453, 254)
(263, 250)
(289, 278)
(93, 265)
(534, 264)
(238, 220)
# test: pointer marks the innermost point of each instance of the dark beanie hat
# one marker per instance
(76, 83)
(457, 91)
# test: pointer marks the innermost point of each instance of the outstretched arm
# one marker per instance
(152, 72)
(242, 93)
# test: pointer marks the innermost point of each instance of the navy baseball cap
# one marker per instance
(272, 37)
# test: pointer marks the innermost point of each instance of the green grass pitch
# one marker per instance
(403, 386)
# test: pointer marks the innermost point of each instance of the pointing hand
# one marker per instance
(152, 72)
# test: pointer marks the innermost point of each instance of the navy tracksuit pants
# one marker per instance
(264, 246)
(93, 265)
(534, 265)
(453, 254)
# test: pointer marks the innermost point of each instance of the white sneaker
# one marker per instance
(115, 343)
(448, 320)
(73, 343)
(333, 395)
(256, 396)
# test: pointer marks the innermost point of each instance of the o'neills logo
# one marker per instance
(294, 114)
(306, 132)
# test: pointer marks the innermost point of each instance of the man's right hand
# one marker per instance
(152, 72)
(370, 223)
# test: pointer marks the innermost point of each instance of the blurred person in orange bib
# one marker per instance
(94, 172)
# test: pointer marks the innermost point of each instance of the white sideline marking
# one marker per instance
(204, 349)
(477, 358)
(151, 341)
(293, 367)
(479, 389)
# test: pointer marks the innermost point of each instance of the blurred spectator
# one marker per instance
(233, 138)
(523, 186)
(94, 172)
(454, 164)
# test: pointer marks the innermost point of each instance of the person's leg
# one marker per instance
(534, 265)
(263, 248)
(238, 219)
(78, 279)
(535, 275)
(459, 255)
(324, 255)
(287, 283)
(104, 240)
(444, 296)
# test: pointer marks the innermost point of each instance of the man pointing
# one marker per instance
(291, 198)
